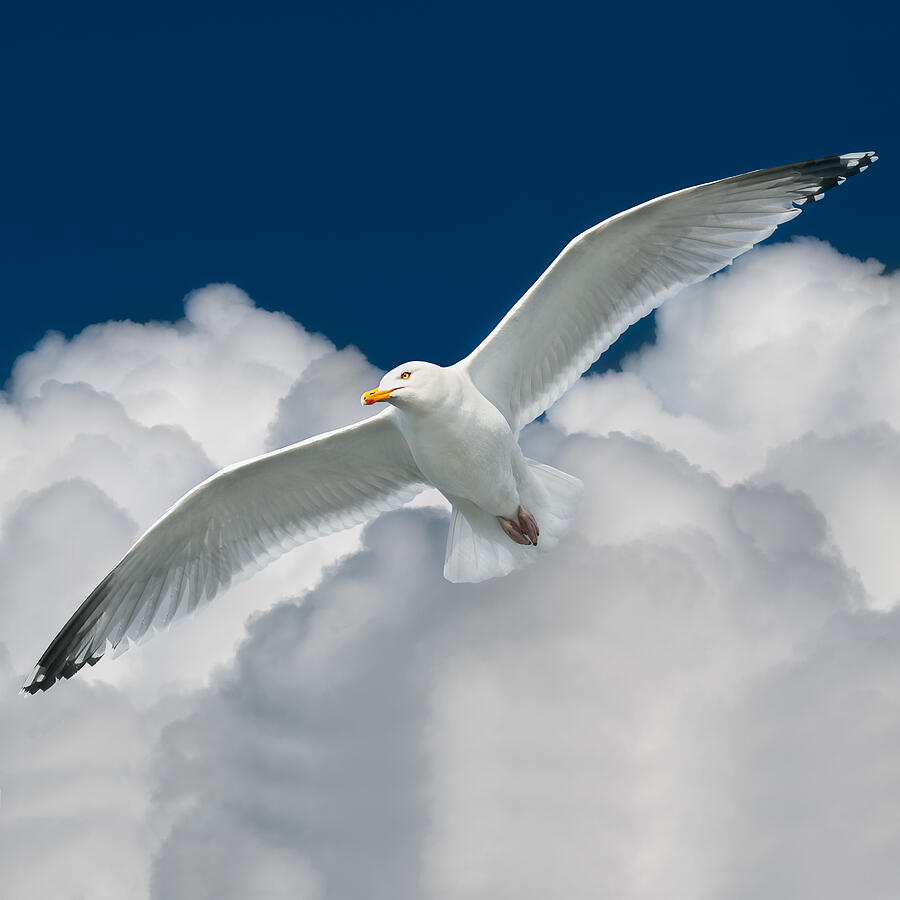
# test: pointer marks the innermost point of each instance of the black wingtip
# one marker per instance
(830, 172)
(73, 648)
(37, 681)
(41, 679)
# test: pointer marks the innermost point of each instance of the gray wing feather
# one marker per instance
(618, 271)
(244, 515)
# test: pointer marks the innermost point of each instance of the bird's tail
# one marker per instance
(478, 549)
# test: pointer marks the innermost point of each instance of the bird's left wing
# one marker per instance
(247, 513)
(616, 272)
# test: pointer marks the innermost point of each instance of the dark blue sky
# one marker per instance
(397, 175)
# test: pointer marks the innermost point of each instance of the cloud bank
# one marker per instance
(698, 695)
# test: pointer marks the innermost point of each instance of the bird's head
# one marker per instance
(410, 385)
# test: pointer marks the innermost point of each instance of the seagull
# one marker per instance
(454, 428)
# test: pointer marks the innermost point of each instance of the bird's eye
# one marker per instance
(405, 375)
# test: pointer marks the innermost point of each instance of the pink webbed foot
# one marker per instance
(528, 525)
(523, 530)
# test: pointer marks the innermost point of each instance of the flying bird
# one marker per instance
(455, 428)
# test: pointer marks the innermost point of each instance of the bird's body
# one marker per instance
(455, 428)
(462, 443)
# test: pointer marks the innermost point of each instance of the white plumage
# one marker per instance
(455, 428)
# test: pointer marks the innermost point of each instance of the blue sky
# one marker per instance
(397, 177)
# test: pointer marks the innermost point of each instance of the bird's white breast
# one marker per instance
(464, 446)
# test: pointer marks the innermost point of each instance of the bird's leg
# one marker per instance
(523, 529)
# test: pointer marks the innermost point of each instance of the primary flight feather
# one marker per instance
(455, 428)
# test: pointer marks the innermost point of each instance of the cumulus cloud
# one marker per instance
(104, 432)
(854, 478)
(219, 373)
(638, 716)
(325, 398)
(76, 791)
(100, 435)
(793, 338)
(794, 343)
(695, 696)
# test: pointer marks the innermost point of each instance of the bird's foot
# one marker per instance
(528, 524)
(523, 529)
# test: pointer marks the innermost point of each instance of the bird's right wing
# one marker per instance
(247, 513)
(616, 272)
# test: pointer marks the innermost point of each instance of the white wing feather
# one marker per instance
(618, 271)
(247, 513)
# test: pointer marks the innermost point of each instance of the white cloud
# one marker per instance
(325, 398)
(75, 782)
(636, 718)
(105, 431)
(695, 696)
(99, 435)
(793, 338)
(795, 342)
(219, 374)
(854, 478)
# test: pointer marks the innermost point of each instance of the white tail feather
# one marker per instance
(477, 548)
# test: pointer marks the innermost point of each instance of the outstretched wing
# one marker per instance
(616, 272)
(249, 512)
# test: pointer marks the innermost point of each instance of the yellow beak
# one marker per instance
(373, 396)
